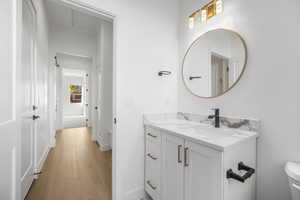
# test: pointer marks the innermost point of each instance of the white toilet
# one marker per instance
(293, 172)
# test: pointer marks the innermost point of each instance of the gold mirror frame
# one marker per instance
(241, 74)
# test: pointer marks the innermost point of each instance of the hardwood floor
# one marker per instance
(75, 170)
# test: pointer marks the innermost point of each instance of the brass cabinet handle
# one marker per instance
(186, 163)
(154, 136)
(152, 157)
(152, 186)
(179, 153)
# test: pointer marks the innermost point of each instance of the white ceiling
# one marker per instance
(59, 15)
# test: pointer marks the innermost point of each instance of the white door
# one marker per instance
(9, 127)
(27, 91)
(173, 168)
(203, 173)
(42, 136)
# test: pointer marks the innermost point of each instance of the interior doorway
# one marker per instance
(81, 107)
(219, 74)
(74, 83)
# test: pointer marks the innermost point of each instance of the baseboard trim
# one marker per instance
(42, 160)
(102, 146)
(93, 137)
(53, 144)
(136, 194)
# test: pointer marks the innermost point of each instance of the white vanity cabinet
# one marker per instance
(172, 168)
(183, 169)
(203, 172)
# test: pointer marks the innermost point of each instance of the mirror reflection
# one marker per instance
(214, 63)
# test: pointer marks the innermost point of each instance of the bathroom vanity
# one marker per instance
(188, 160)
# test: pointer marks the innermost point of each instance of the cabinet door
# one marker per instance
(203, 173)
(173, 170)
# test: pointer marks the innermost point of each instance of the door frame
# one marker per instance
(101, 13)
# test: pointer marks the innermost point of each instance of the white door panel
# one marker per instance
(173, 169)
(42, 136)
(203, 173)
(9, 129)
(27, 92)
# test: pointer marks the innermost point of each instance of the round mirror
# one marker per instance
(214, 63)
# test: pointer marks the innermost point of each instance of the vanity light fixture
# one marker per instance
(213, 8)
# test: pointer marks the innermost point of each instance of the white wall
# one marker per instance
(267, 90)
(72, 41)
(105, 61)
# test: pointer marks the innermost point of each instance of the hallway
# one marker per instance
(75, 170)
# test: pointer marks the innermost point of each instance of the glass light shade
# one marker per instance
(191, 22)
(219, 6)
(203, 15)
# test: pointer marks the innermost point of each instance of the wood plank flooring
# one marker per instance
(75, 170)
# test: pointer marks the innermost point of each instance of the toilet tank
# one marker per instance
(293, 172)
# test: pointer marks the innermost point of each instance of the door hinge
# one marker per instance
(115, 120)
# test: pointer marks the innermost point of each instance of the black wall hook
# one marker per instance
(164, 73)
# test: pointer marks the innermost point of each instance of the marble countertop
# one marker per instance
(216, 138)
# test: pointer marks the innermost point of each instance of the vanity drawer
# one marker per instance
(153, 163)
(153, 152)
(152, 179)
(153, 135)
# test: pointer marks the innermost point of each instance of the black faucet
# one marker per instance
(216, 116)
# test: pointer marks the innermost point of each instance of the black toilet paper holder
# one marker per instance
(241, 166)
